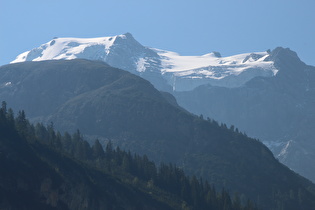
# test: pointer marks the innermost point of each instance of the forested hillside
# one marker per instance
(42, 169)
(111, 104)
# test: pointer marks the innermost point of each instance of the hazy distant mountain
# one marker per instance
(109, 103)
(278, 110)
(268, 95)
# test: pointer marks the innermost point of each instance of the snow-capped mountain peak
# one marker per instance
(71, 48)
(158, 66)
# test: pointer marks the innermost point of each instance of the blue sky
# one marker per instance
(187, 27)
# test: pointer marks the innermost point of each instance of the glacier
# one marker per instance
(181, 73)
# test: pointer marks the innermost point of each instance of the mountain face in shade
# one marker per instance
(109, 103)
(164, 69)
(278, 110)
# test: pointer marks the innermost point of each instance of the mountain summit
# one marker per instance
(164, 69)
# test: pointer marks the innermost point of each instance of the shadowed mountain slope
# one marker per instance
(277, 110)
(113, 104)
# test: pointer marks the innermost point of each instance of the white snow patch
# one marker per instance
(141, 65)
(21, 57)
(284, 151)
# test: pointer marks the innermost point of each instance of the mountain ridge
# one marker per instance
(164, 69)
(137, 117)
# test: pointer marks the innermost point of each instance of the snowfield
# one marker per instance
(181, 72)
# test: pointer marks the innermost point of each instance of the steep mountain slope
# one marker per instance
(35, 176)
(113, 104)
(277, 110)
(42, 169)
(164, 69)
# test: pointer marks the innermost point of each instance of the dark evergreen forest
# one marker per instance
(44, 169)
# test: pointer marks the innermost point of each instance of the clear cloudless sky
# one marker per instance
(189, 27)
